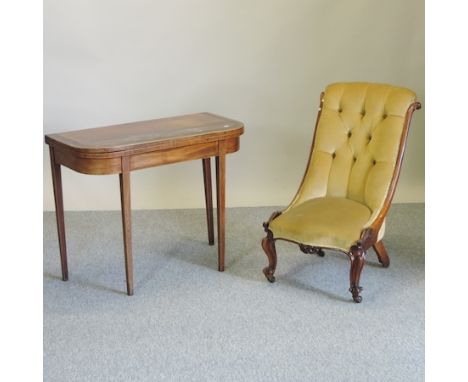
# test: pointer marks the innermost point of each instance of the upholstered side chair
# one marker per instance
(350, 179)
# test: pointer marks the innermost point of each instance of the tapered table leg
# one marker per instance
(208, 198)
(58, 196)
(221, 199)
(127, 223)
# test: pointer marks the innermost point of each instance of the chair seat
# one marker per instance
(327, 222)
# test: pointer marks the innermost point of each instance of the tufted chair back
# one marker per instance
(356, 143)
(350, 178)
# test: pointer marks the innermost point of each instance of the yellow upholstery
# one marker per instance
(351, 165)
(323, 222)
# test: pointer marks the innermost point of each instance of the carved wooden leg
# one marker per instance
(381, 254)
(57, 183)
(208, 198)
(357, 257)
(268, 245)
(124, 178)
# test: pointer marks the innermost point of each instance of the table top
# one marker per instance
(154, 134)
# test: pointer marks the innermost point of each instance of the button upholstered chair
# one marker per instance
(350, 179)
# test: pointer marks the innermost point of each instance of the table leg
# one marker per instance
(58, 196)
(127, 223)
(208, 198)
(221, 199)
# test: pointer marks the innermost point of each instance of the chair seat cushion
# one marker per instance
(327, 222)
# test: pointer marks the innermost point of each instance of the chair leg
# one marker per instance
(268, 245)
(382, 254)
(357, 257)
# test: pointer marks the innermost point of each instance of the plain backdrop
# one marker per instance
(262, 62)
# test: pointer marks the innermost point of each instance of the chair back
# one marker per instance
(358, 143)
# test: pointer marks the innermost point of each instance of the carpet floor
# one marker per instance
(188, 322)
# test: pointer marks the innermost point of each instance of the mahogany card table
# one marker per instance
(119, 149)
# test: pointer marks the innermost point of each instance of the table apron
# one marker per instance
(179, 154)
(94, 166)
(102, 166)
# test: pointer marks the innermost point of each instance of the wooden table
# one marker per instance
(119, 149)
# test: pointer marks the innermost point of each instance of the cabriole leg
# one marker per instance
(268, 245)
(357, 257)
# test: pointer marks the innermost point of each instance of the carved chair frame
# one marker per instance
(368, 237)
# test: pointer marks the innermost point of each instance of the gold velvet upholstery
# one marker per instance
(350, 168)
(328, 222)
(350, 178)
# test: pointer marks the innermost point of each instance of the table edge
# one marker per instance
(161, 144)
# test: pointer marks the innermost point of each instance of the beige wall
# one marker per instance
(262, 62)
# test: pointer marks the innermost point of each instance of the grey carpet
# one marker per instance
(188, 322)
